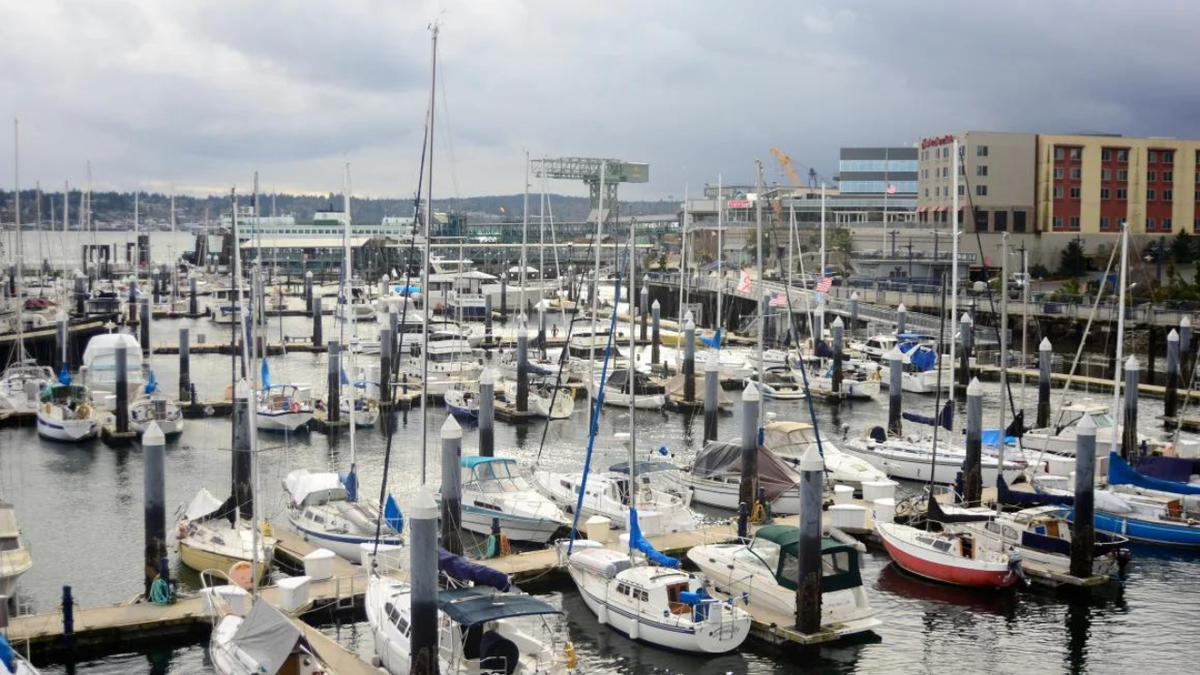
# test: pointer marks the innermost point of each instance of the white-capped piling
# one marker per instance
(895, 361)
(965, 327)
(423, 557)
(748, 489)
(1170, 405)
(1083, 526)
(689, 360)
(154, 507)
(973, 462)
(655, 335)
(808, 590)
(487, 413)
(1129, 441)
(712, 389)
(1045, 357)
(452, 485)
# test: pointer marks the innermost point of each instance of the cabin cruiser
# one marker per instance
(923, 371)
(608, 494)
(731, 365)
(1054, 448)
(766, 571)
(99, 369)
(451, 359)
(15, 559)
(467, 299)
(494, 489)
(856, 383)
(358, 307)
(324, 508)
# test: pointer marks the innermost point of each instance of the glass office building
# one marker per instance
(873, 170)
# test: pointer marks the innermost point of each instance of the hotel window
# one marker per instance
(1168, 176)
(1122, 155)
(962, 190)
(1123, 175)
(1166, 223)
(1105, 174)
(980, 190)
(1103, 194)
(1074, 222)
(1150, 196)
(1058, 192)
(1074, 193)
(1198, 195)
(1168, 195)
(1058, 222)
(945, 172)
(1018, 221)
(981, 151)
(981, 170)
(1122, 194)
(1168, 157)
(1059, 154)
(1001, 220)
(1151, 176)
(1152, 158)
(1196, 225)
(1058, 173)
(1076, 153)
(1075, 174)
(926, 193)
(1150, 224)
(1103, 223)
(1105, 155)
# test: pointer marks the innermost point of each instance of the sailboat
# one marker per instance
(283, 407)
(647, 597)
(151, 405)
(65, 411)
(262, 642)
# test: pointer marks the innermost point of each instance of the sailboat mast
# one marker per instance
(347, 314)
(425, 267)
(720, 256)
(1117, 370)
(595, 295)
(821, 272)
(953, 275)
(20, 281)
(762, 317)
(632, 374)
(524, 237)
(66, 205)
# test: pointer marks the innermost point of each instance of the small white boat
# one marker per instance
(545, 400)
(99, 369)
(66, 413)
(462, 402)
(21, 383)
(159, 408)
(494, 490)
(911, 460)
(322, 508)
(480, 631)
(284, 407)
(731, 365)
(766, 570)
(649, 395)
(656, 604)
(211, 536)
(608, 495)
(263, 642)
(15, 559)
(777, 383)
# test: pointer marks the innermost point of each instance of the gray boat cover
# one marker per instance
(267, 636)
(722, 458)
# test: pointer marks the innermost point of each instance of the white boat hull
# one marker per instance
(283, 421)
(516, 528)
(916, 467)
(71, 431)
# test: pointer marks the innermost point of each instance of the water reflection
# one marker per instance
(949, 600)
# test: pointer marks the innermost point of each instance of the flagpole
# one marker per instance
(886, 190)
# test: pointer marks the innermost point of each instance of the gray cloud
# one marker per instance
(202, 94)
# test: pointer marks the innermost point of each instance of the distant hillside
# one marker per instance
(117, 207)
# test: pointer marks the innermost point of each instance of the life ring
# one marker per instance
(295, 406)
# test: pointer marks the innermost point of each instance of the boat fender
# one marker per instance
(569, 654)
(294, 407)
(181, 531)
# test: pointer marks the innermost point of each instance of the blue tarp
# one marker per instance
(1178, 469)
(1120, 473)
(350, 481)
(637, 542)
(461, 569)
(924, 358)
(991, 438)
(1004, 495)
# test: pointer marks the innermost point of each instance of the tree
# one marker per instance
(1182, 250)
(1072, 261)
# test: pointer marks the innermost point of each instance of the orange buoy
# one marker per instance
(242, 574)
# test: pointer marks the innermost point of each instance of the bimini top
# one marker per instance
(473, 606)
(472, 462)
(839, 562)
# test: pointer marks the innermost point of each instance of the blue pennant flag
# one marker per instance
(151, 384)
(63, 376)
(265, 375)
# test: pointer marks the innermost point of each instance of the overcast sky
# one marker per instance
(199, 94)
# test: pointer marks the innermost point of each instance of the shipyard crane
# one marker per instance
(590, 170)
(785, 163)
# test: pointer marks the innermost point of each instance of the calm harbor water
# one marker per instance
(80, 510)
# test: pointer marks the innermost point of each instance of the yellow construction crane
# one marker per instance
(785, 163)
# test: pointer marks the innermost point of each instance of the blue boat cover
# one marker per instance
(1120, 473)
(265, 375)
(823, 350)
(350, 480)
(924, 358)
(991, 438)
(946, 419)
(392, 516)
(637, 542)
(1169, 468)
(473, 606)
(63, 376)
(461, 569)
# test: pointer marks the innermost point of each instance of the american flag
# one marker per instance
(891, 189)
(824, 285)
(778, 300)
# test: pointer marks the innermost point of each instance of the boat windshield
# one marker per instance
(495, 477)
(766, 552)
(1102, 419)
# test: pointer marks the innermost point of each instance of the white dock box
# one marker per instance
(878, 489)
(842, 494)
(848, 516)
(885, 510)
(293, 594)
(236, 600)
(318, 565)
(598, 528)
